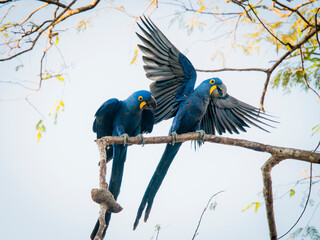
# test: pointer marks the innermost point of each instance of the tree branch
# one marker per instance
(103, 196)
(279, 152)
(268, 195)
(204, 210)
(55, 2)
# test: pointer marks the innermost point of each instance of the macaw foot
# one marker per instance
(202, 135)
(141, 138)
(126, 138)
(173, 138)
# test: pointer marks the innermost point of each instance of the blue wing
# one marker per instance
(173, 74)
(147, 121)
(230, 114)
(103, 123)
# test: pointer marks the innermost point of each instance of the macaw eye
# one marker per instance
(212, 81)
(140, 98)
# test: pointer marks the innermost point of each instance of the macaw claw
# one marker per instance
(202, 134)
(125, 138)
(141, 138)
(173, 138)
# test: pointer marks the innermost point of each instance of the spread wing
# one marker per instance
(103, 123)
(173, 74)
(230, 114)
(147, 121)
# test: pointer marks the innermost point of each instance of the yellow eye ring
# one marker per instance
(140, 98)
(212, 81)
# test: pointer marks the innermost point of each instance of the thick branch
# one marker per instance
(277, 155)
(102, 196)
(279, 152)
(268, 195)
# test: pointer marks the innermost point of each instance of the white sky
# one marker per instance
(46, 186)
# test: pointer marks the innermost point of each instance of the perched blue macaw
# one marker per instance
(206, 109)
(131, 117)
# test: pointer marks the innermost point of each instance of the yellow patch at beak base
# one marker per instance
(142, 104)
(212, 88)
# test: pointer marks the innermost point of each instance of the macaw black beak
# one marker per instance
(218, 91)
(150, 104)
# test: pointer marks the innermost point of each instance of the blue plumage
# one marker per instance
(208, 108)
(132, 116)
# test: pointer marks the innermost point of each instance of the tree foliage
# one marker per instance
(288, 28)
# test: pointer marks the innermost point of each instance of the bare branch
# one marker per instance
(204, 210)
(268, 195)
(279, 152)
(304, 74)
(102, 196)
(305, 205)
(264, 91)
(55, 2)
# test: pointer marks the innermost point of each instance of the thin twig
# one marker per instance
(305, 205)
(316, 23)
(293, 10)
(305, 75)
(286, 44)
(204, 210)
(307, 201)
(280, 60)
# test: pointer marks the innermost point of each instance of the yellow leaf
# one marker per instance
(292, 192)
(38, 136)
(40, 129)
(60, 78)
(135, 56)
(48, 76)
(257, 205)
(57, 40)
(247, 207)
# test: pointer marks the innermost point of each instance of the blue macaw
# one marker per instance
(131, 117)
(206, 109)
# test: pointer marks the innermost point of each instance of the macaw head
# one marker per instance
(216, 87)
(143, 99)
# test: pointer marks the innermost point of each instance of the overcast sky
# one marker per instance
(45, 187)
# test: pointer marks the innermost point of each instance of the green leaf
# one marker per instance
(213, 205)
